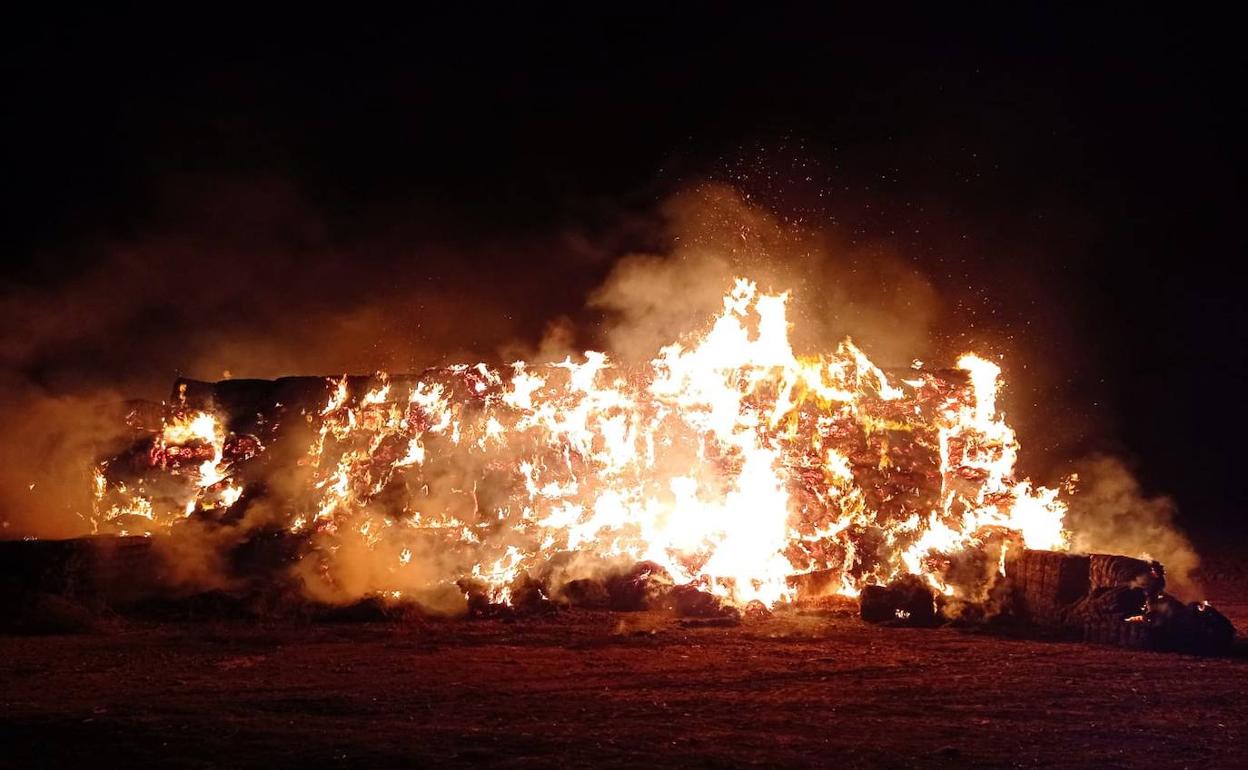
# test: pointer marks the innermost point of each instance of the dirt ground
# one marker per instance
(600, 689)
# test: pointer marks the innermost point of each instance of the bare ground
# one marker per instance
(602, 689)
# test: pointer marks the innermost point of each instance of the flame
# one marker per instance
(730, 461)
(191, 448)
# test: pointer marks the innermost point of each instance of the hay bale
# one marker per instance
(1128, 616)
(907, 601)
(1047, 583)
(1109, 571)
(589, 593)
(643, 586)
(529, 595)
(40, 614)
(1114, 603)
(689, 601)
(1119, 633)
(89, 569)
(1194, 628)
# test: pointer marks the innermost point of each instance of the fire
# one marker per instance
(730, 461)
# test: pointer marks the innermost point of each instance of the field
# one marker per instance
(598, 689)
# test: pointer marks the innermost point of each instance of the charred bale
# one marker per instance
(689, 601)
(95, 570)
(143, 417)
(1194, 628)
(1047, 583)
(479, 603)
(876, 604)
(1128, 616)
(641, 587)
(1110, 603)
(907, 601)
(1109, 571)
(529, 595)
(39, 614)
(588, 593)
(194, 394)
(1112, 615)
(1132, 633)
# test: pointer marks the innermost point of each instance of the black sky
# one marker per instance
(1070, 178)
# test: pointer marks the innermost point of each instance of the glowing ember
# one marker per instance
(729, 461)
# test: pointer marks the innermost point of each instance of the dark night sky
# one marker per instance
(1071, 179)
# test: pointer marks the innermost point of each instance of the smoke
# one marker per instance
(233, 278)
(866, 292)
(1110, 514)
(49, 443)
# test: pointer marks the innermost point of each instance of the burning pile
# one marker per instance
(729, 463)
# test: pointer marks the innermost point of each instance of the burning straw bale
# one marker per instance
(731, 462)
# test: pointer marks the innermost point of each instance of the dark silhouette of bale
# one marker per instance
(478, 596)
(245, 403)
(907, 601)
(529, 596)
(90, 570)
(691, 602)
(1128, 616)
(367, 610)
(144, 417)
(644, 586)
(1195, 628)
(876, 604)
(194, 394)
(201, 606)
(1112, 615)
(302, 393)
(585, 592)
(265, 556)
(1135, 634)
(41, 614)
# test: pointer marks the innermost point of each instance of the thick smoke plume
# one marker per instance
(868, 293)
(1111, 514)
